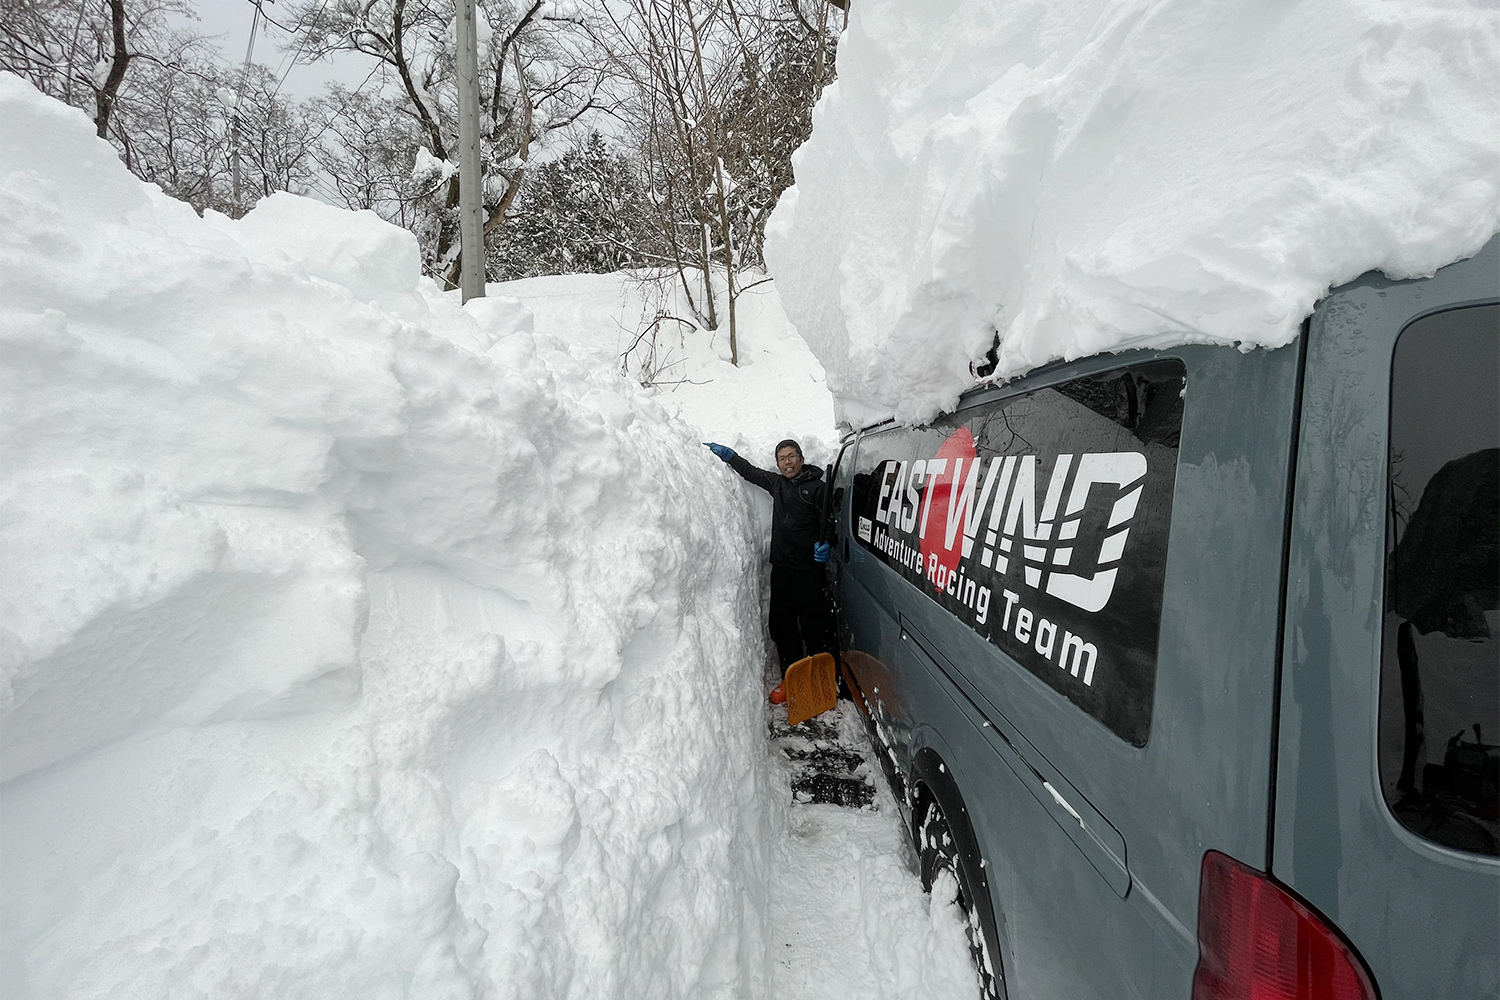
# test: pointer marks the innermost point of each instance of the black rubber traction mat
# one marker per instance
(828, 766)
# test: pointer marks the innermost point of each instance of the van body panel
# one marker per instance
(1201, 781)
(1263, 739)
(863, 615)
(1090, 832)
(1057, 900)
(1426, 918)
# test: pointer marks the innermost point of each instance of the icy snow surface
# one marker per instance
(357, 644)
(1094, 175)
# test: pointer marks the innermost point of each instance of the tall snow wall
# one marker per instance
(1056, 179)
(352, 643)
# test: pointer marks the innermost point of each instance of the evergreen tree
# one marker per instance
(581, 213)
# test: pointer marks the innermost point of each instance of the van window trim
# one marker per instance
(1478, 863)
(1044, 377)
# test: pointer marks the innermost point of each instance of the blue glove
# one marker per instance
(718, 449)
(821, 552)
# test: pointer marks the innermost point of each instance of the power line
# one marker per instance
(327, 125)
(296, 53)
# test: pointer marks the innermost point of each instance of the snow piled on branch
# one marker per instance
(429, 168)
(352, 643)
(1095, 175)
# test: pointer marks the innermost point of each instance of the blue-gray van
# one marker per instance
(1184, 663)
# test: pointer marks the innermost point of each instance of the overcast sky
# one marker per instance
(228, 23)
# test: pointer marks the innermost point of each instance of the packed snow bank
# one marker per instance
(1070, 178)
(353, 644)
(777, 390)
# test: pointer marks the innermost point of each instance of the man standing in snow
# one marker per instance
(801, 621)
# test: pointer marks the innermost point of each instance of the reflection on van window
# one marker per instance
(1440, 656)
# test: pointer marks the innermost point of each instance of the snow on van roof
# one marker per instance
(1054, 180)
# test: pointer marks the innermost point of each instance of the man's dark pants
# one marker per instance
(801, 620)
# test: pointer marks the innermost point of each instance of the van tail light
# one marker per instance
(1256, 941)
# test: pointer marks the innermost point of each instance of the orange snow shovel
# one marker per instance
(811, 687)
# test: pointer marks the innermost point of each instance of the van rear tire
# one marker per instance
(939, 851)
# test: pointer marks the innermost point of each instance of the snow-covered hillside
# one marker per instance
(1069, 178)
(777, 390)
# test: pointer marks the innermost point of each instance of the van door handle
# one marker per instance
(1049, 786)
(1057, 797)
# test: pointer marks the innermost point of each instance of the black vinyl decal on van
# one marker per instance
(1041, 522)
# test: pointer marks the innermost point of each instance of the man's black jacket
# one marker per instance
(796, 510)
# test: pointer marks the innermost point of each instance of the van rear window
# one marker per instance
(1041, 522)
(1440, 658)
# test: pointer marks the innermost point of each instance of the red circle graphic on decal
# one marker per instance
(938, 499)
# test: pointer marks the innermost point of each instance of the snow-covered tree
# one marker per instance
(536, 79)
(584, 212)
(80, 51)
(365, 156)
(701, 103)
(216, 137)
(768, 112)
(715, 96)
(162, 96)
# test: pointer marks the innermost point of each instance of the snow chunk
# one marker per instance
(376, 261)
(777, 391)
(1073, 178)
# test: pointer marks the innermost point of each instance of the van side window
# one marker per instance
(1440, 658)
(1041, 522)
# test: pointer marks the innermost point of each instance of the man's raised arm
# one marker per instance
(760, 477)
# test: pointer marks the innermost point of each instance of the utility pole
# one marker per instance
(239, 95)
(470, 180)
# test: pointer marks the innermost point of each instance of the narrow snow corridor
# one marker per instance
(850, 919)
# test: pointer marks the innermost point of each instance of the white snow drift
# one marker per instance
(1069, 178)
(353, 644)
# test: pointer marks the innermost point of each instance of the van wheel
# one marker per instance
(939, 852)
